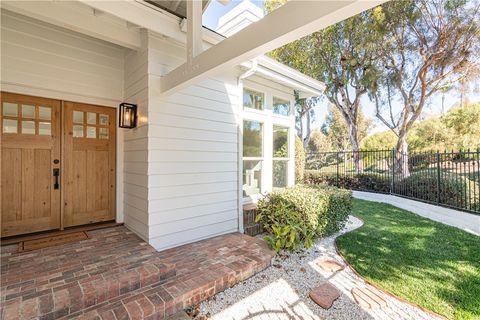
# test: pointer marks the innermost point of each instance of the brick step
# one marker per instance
(177, 293)
(94, 292)
(82, 275)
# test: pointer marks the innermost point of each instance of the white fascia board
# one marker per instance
(290, 22)
(296, 75)
(277, 76)
(72, 16)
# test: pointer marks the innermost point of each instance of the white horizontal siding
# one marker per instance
(193, 155)
(136, 143)
(41, 59)
(161, 242)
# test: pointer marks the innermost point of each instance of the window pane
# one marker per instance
(10, 109)
(280, 142)
(103, 119)
(44, 128)
(91, 118)
(280, 174)
(253, 99)
(77, 117)
(252, 177)
(10, 126)
(103, 133)
(44, 113)
(252, 139)
(78, 131)
(91, 132)
(28, 111)
(281, 107)
(28, 127)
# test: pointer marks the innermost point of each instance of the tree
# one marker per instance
(336, 129)
(379, 141)
(343, 57)
(464, 123)
(304, 116)
(430, 134)
(427, 46)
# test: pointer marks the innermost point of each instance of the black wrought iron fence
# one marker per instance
(450, 179)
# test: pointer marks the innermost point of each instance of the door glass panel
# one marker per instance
(78, 131)
(103, 133)
(91, 118)
(103, 119)
(44, 113)
(45, 128)
(10, 109)
(28, 111)
(77, 117)
(28, 127)
(9, 126)
(91, 132)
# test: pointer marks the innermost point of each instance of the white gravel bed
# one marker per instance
(281, 291)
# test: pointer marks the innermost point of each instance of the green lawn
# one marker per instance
(430, 264)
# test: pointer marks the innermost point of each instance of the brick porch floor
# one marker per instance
(115, 275)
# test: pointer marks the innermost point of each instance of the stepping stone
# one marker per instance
(324, 295)
(330, 265)
(369, 298)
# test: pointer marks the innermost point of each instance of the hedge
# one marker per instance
(362, 181)
(297, 215)
(455, 190)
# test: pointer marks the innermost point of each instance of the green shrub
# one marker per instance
(299, 159)
(299, 214)
(362, 181)
(455, 190)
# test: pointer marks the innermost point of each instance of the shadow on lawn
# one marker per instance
(428, 263)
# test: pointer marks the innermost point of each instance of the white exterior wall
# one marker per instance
(179, 175)
(136, 142)
(192, 154)
(42, 60)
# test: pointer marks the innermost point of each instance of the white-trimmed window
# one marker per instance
(280, 157)
(252, 157)
(281, 106)
(253, 99)
(268, 140)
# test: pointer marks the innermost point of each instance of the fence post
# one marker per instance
(337, 169)
(392, 187)
(438, 176)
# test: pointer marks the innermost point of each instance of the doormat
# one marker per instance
(51, 241)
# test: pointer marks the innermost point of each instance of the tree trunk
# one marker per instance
(308, 130)
(353, 137)
(401, 156)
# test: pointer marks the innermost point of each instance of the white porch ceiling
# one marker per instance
(177, 7)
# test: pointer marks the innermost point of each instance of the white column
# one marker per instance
(194, 29)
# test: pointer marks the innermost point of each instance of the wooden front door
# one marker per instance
(30, 164)
(89, 164)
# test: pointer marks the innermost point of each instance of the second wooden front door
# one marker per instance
(89, 164)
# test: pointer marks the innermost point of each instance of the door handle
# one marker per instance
(56, 174)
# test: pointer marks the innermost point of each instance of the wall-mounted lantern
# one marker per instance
(127, 115)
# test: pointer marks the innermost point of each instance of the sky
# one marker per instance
(215, 10)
